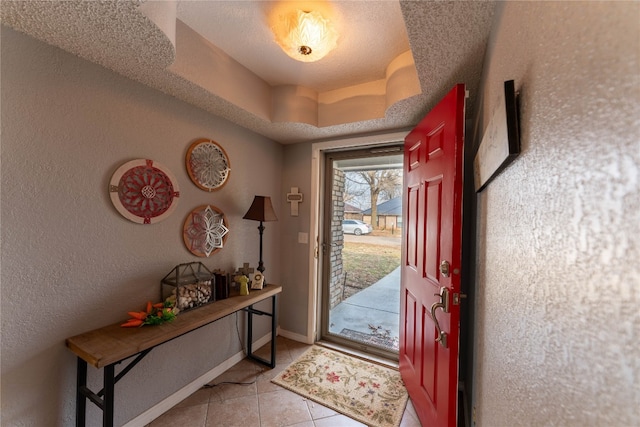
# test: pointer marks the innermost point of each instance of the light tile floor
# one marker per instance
(259, 403)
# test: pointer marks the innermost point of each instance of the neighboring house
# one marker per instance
(555, 260)
(352, 212)
(389, 215)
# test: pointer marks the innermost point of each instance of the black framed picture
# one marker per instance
(500, 143)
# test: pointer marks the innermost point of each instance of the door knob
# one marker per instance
(444, 305)
(444, 268)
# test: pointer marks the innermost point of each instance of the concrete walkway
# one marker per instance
(376, 307)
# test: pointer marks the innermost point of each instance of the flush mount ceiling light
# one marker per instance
(305, 36)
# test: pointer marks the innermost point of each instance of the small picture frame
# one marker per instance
(257, 281)
(500, 143)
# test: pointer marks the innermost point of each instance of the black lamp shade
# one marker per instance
(261, 210)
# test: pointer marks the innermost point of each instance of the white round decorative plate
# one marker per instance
(208, 164)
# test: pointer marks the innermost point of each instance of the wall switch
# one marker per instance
(303, 238)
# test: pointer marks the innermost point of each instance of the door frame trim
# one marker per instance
(317, 216)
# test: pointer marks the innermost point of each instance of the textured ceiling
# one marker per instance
(393, 62)
(366, 48)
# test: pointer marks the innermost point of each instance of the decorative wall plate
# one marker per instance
(144, 191)
(205, 230)
(208, 164)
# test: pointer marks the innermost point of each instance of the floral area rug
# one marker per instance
(372, 394)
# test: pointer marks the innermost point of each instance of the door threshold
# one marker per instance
(360, 354)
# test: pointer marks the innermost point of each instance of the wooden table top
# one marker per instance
(113, 343)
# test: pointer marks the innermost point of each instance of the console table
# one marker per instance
(111, 345)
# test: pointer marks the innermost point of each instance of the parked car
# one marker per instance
(355, 226)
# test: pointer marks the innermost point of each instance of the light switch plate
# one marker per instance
(303, 238)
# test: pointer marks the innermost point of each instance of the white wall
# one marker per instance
(70, 262)
(558, 278)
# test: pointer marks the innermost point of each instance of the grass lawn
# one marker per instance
(365, 264)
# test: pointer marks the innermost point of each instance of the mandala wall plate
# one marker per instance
(208, 164)
(205, 230)
(144, 191)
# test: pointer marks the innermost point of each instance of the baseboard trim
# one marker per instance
(295, 337)
(186, 391)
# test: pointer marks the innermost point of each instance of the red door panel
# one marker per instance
(431, 253)
(429, 361)
(433, 235)
(412, 224)
(409, 350)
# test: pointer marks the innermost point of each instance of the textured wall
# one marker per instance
(295, 255)
(71, 262)
(558, 292)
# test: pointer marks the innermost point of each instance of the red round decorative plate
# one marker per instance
(144, 191)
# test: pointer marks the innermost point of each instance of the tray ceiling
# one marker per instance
(393, 62)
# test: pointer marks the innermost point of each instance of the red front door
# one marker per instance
(430, 286)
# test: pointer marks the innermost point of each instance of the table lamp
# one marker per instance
(261, 210)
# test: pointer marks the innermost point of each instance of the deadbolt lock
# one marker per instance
(445, 268)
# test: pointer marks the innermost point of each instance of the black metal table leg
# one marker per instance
(274, 322)
(109, 386)
(274, 330)
(249, 311)
(105, 398)
(81, 400)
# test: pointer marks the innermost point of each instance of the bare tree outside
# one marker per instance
(393, 186)
(356, 193)
(382, 184)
